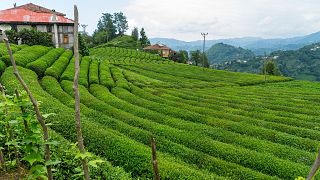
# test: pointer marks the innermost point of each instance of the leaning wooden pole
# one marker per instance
(77, 95)
(315, 167)
(35, 106)
(154, 159)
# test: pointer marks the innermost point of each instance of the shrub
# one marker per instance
(59, 65)
(94, 72)
(40, 65)
(105, 75)
(84, 71)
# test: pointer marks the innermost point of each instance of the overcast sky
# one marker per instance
(186, 19)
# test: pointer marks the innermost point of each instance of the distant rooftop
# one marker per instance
(31, 13)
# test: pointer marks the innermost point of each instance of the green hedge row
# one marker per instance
(211, 163)
(84, 71)
(105, 75)
(2, 67)
(119, 78)
(27, 55)
(14, 48)
(40, 65)
(231, 113)
(241, 105)
(68, 74)
(60, 65)
(118, 149)
(94, 72)
(281, 151)
(255, 160)
(242, 128)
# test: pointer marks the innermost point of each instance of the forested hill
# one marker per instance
(300, 64)
(221, 53)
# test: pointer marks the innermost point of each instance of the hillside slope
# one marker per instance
(208, 124)
(221, 53)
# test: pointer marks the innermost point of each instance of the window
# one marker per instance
(49, 28)
(65, 39)
(0, 32)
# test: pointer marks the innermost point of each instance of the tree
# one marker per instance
(182, 56)
(196, 57)
(83, 47)
(106, 29)
(135, 34)
(143, 38)
(271, 68)
(121, 23)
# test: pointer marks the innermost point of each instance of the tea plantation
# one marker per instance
(208, 124)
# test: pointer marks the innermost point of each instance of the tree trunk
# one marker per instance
(77, 95)
(36, 108)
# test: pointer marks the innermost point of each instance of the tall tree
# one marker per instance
(196, 57)
(121, 23)
(135, 34)
(143, 38)
(106, 27)
(270, 68)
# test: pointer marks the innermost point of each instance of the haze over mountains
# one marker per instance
(256, 44)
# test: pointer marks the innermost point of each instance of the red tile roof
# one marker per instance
(157, 47)
(31, 14)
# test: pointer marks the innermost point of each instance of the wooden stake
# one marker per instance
(315, 167)
(36, 108)
(77, 95)
(154, 159)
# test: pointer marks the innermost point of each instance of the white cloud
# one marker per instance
(186, 19)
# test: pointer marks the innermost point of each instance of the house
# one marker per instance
(31, 16)
(162, 49)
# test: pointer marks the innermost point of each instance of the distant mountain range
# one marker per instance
(255, 44)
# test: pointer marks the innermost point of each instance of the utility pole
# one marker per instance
(265, 67)
(204, 44)
(84, 26)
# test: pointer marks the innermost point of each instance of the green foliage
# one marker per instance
(135, 34)
(40, 65)
(30, 37)
(2, 67)
(26, 55)
(221, 53)
(121, 23)
(270, 68)
(94, 72)
(143, 38)
(84, 71)
(83, 47)
(59, 65)
(123, 41)
(21, 136)
(105, 75)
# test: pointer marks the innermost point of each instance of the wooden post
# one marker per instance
(315, 167)
(36, 108)
(154, 159)
(26, 127)
(77, 95)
